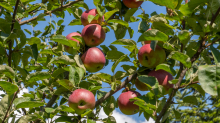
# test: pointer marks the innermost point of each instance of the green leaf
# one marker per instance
(110, 119)
(8, 71)
(115, 55)
(37, 76)
(183, 58)
(186, 10)
(191, 100)
(119, 22)
(120, 31)
(65, 108)
(129, 13)
(147, 80)
(143, 26)
(209, 78)
(65, 119)
(215, 53)
(75, 22)
(79, 62)
(153, 34)
(6, 6)
(64, 59)
(28, 118)
(117, 62)
(66, 83)
(198, 88)
(34, 40)
(161, 105)
(167, 68)
(62, 39)
(75, 75)
(163, 27)
(168, 3)
(124, 42)
(91, 18)
(108, 14)
(16, 57)
(184, 36)
(177, 114)
(4, 103)
(30, 104)
(8, 87)
(100, 76)
(34, 51)
(131, 32)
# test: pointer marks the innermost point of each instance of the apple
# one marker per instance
(93, 59)
(84, 17)
(132, 3)
(125, 105)
(70, 37)
(93, 35)
(150, 58)
(80, 100)
(140, 85)
(163, 77)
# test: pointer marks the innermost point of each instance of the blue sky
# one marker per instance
(148, 6)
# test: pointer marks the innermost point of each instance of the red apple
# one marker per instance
(132, 3)
(84, 17)
(150, 58)
(80, 100)
(93, 59)
(125, 105)
(70, 37)
(93, 35)
(140, 85)
(163, 77)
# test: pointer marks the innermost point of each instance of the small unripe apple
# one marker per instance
(93, 35)
(132, 3)
(80, 100)
(70, 37)
(140, 85)
(125, 105)
(151, 58)
(93, 59)
(163, 77)
(84, 17)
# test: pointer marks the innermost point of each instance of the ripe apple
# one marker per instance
(84, 17)
(140, 85)
(150, 58)
(93, 35)
(93, 59)
(80, 100)
(163, 77)
(132, 3)
(69, 36)
(125, 105)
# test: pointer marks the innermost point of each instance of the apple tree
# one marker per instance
(174, 62)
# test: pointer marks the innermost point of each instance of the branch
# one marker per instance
(49, 12)
(110, 93)
(215, 16)
(6, 114)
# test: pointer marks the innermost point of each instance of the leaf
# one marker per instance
(119, 22)
(4, 103)
(65, 119)
(209, 78)
(75, 22)
(191, 100)
(183, 58)
(198, 88)
(177, 114)
(168, 3)
(120, 31)
(30, 104)
(115, 55)
(62, 39)
(215, 53)
(147, 80)
(124, 42)
(28, 118)
(37, 76)
(66, 83)
(117, 62)
(110, 119)
(64, 59)
(6, 6)
(153, 34)
(143, 26)
(8, 87)
(131, 32)
(108, 14)
(167, 68)
(163, 27)
(34, 40)
(34, 51)
(79, 62)
(75, 75)
(16, 57)
(8, 71)
(184, 36)
(129, 13)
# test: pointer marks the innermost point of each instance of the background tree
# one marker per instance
(183, 43)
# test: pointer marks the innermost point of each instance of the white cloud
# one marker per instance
(121, 118)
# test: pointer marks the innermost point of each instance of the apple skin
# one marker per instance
(69, 36)
(163, 77)
(93, 59)
(84, 17)
(125, 105)
(140, 85)
(150, 58)
(80, 100)
(132, 3)
(93, 35)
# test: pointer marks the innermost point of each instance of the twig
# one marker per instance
(110, 93)
(49, 12)
(6, 114)
(183, 86)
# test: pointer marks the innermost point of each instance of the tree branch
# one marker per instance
(110, 93)
(49, 12)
